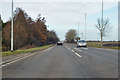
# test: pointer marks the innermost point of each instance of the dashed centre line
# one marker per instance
(74, 51)
(77, 49)
(78, 54)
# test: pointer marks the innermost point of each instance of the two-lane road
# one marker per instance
(63, 62)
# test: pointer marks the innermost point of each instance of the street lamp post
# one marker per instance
(78, 28)
(12, 30)
(82, 35)
(102, 13)
(85, 26)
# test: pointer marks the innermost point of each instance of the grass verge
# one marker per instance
(98, 45)
(8, 53)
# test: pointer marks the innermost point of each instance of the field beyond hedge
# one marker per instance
(109, 45)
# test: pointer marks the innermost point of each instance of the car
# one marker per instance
(59, 43)
(81, 43)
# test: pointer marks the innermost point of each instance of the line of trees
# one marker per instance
(27, 31)
(1, 22)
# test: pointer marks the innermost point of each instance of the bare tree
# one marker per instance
(104, 27)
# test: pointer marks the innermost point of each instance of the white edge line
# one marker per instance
(20, 58)
(14, 58)
(17, 60)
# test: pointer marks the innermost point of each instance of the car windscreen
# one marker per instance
(59, 42)
(82, 41)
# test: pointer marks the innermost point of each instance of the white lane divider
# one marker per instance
(74, 52)
(68, 48)
(78, 54)
(77, 49)
(18, 58)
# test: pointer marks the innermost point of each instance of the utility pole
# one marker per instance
(78, 29)
(82, 35)
(85, 26)
(12, 30)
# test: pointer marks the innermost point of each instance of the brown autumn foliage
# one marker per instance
(27, 32)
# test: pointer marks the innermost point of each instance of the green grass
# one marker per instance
(98, 45)
(8, 53)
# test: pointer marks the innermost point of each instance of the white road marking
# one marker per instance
(77, 49)
(17, 60)
(20, 58)
(14, 58)
(74, 52)
(68, 48)
(78, 54)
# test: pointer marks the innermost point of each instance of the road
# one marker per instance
(66, 61)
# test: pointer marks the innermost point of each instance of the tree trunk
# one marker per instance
(101, 40)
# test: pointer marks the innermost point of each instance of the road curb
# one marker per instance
(23, 56)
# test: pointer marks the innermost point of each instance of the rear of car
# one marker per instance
(59, 43)
(81, 43)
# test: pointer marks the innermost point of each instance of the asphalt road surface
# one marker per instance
(66, 61)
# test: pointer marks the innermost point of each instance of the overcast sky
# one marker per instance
(64, 15)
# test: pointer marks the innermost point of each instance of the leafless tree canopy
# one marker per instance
(104, 28)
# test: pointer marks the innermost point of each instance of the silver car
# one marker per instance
(81, 43)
